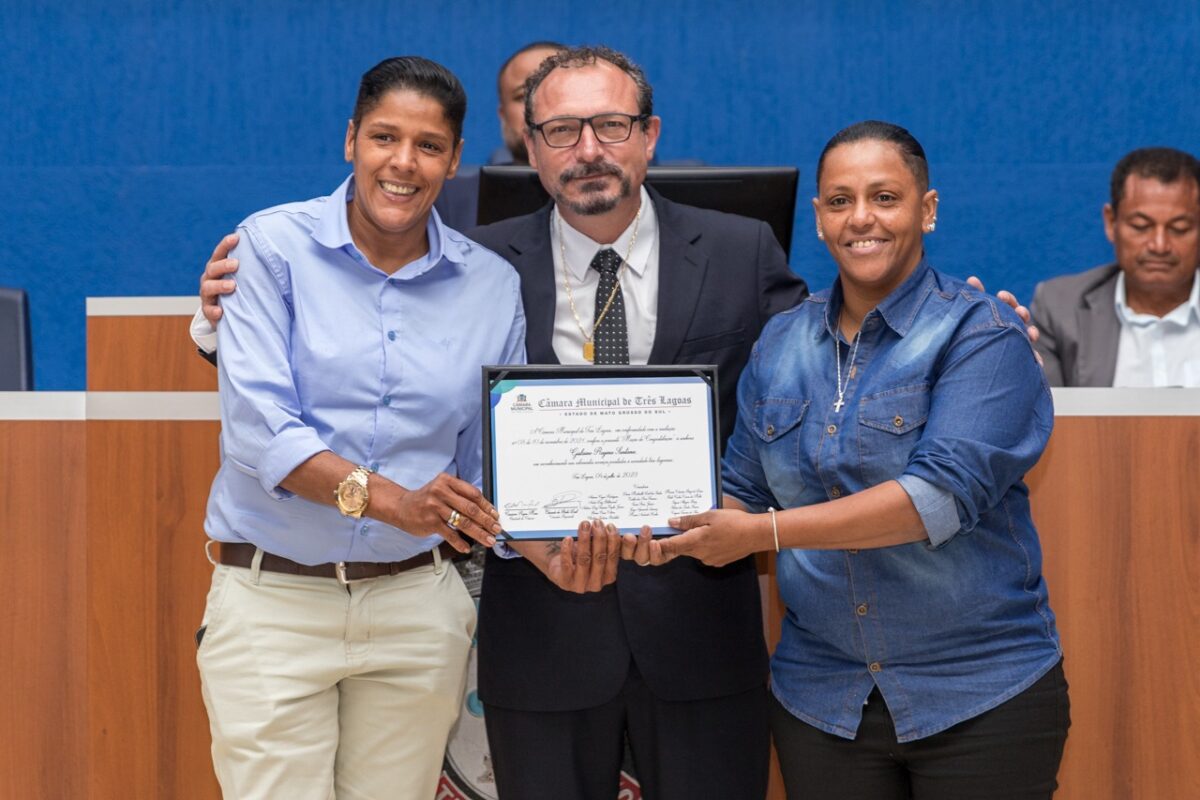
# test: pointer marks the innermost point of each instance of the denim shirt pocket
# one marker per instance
(890, 424)
(776, 425)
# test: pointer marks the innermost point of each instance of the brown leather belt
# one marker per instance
(241, 554)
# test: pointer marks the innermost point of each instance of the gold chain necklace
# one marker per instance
(589, 347)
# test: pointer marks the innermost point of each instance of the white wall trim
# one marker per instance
(142, 306)
(42, 405)
(1098, 402)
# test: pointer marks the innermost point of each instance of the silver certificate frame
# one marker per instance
(630, 445)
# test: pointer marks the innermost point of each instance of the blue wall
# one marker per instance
(136, 133)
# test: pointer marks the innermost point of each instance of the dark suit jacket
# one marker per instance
(1077, 318)
(694, 631)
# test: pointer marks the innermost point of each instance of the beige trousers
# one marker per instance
(319, 690)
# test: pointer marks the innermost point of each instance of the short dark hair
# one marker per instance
(1164, 164)
(877, 131)
(570, 57)
(415, 74)
(539, 45)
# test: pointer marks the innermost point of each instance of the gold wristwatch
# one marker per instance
(351, 494)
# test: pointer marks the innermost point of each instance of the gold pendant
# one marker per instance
(589, 351)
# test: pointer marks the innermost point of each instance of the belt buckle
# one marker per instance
(339, 570)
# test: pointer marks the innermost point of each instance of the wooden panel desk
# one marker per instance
(1116, 499)
(141, 344)
(43, 691)
(102, 500)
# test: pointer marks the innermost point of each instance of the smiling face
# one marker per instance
(1155, 232)
(591, 178)
(872, 213)
(403, 150)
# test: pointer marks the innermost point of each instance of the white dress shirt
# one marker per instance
(639, 285)
(1159, 351)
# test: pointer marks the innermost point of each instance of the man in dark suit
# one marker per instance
(458, 201)
(672, 657)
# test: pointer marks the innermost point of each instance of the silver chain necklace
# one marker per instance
(837, 348)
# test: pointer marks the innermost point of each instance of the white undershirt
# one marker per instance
(639, 286)
(1159, 351)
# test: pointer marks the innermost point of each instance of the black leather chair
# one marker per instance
(16, 348)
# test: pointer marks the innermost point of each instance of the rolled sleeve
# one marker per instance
(937, 508)
(288, 450)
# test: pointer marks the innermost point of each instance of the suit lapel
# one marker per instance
(681, 268)
(529, 252)
(1099, 335)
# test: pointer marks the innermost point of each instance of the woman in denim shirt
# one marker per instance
(890, 420)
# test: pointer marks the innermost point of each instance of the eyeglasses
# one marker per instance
(609, 128)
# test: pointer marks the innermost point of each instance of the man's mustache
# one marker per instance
(590, 170)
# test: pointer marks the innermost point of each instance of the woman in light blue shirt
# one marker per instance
(890, 420)
(335, 637)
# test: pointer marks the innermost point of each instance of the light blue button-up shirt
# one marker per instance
(320, 350)
(946, 397)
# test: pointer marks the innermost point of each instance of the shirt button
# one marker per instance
(861, 610)
(831, 429)
(374, 466)
(363, 531)
(391, 336)
(875, 666)
(770, 430)
(387, 399)
(835, 492)
(898, 421)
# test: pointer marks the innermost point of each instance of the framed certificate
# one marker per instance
(630, 445)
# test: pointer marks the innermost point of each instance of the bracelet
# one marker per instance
(774, 528)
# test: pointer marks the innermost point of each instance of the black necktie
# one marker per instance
(611, 336)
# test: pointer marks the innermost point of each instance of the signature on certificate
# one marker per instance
(563, 504)
(520, 511)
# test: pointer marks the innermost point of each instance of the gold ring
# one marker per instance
(454, 519)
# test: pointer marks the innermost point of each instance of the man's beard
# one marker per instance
(594, 202)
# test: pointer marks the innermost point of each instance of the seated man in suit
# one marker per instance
(1135, 322)
(459, 200)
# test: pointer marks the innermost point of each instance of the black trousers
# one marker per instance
(716, 747)
(1011, 752)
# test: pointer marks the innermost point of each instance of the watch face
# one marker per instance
(352, 495)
